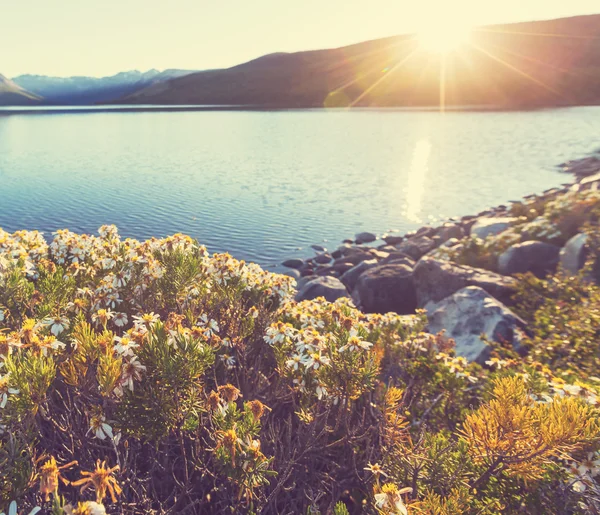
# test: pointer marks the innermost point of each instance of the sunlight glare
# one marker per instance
(443, 38)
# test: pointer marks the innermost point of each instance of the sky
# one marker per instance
(98, 38)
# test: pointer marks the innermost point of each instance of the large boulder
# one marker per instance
(485, 227)
(470, 313)
(436, 279)
(365, 237)
(293, 263)
(350, 277)
(532, 256)
(449, 231)
(329, 287)
(416, 247)
(386, 288)
(574, 254)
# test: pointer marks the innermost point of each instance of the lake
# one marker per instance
(264, 184)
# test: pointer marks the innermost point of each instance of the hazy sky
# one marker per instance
(92, 37)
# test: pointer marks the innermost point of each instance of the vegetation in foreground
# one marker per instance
(150, 377)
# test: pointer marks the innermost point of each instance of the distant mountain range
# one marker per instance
(12, 94)
(544, 63)
(41, 89)
(555, 62)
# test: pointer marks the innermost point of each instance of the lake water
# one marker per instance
(263, 184)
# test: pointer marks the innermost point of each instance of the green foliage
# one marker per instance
(152, 377)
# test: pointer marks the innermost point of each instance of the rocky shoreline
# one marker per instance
(412, 271)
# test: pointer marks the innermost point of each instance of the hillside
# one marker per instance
(13, 94)
(90, 90)
(555, 62)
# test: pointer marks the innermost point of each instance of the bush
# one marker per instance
(150, 377)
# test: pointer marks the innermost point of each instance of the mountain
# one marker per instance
(13, 94)
(91, 90)
(554, 62)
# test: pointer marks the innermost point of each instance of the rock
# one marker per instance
(292, 273)
(365, 237)
(303, 280)
(574, 253)
(318, 248)
(450, 231)
(397, 257)
(307, 271)
(355, 255)
(322, 259)
(531, 256)
(450, 243)
(336, 254)
(342, 266)
(350, 277)
(387, 248)
(386, 288)
(379, 254)
(393, 240)
(490, 226)
(293, 263)
(328, 287)
(471, 312)
(348, 242)
(426, 230)
(436, 279)
(416, 246)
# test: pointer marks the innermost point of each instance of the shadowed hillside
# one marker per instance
(12, 94)
(554, 62)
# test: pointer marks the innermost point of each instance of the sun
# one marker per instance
(441, 39)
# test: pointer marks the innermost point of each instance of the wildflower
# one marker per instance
(132, 371)
(213, 401)
(102, 316)
(124, 346)
(590, 466)
(295, 361)
(376, 470)
(315, 360)
(391, 497)
(321, 391)
(120, 319)
(355, 343)
(230, 442)
(102, 480)
(49, 476)
(229, 392)
(86, 508)
(100, 428)
(2, 315)
(6, 390)
(257, 409)
(147, 320)
(12, 509)
(253, 312)
(228, 360)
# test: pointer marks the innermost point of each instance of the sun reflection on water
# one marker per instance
(416, 180)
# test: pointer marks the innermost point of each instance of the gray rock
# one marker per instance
(365, 237)
(322, 259)
(450, 243)
(292, 273)
(574, 253)
(303, 280)
(355, 255)
(391, 239)
(387, 248)
(328, 287)
(449, 231)
(490, 226)
(470, 313)
(350, 277)
(386, 288)
(531, 256)
(293, 263)
(416, 246)
(436, 279)
(318, 248)
(336, 254)
(342, 266)
(400, 258)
